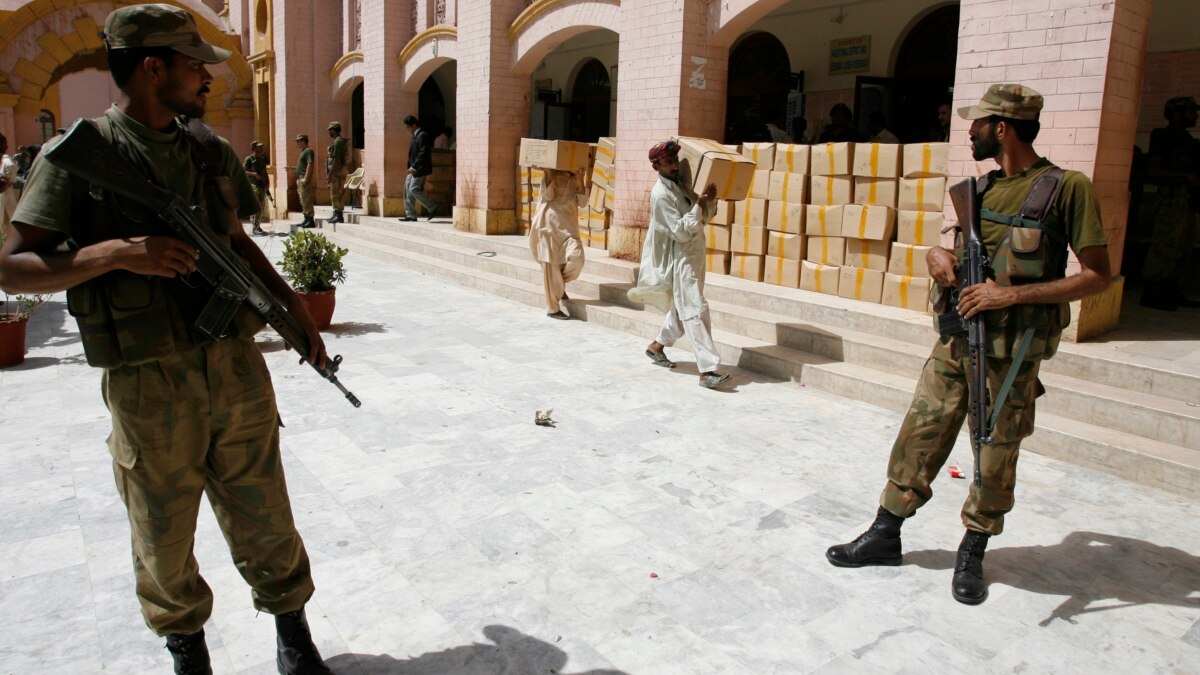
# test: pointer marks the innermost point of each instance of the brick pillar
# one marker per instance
(672, 83)
(386, 28)
(492, 115)
(1087, 58)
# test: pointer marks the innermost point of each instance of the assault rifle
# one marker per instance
(976, 269)
(84, 152)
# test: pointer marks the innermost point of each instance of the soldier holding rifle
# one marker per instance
(191, 415)
(1031, 212)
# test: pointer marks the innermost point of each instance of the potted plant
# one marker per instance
(313, 264)
(12, 326)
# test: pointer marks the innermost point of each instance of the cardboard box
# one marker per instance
(716, 262)
(788, 187)
(907, 292)
(926, 159)
(584, 215)
(610, 199)
(868, 222)
(908, 260)
(819, 278)
(522, 177)
(792, 158)
(564, 155)
(599, 220)
(831, 190)
(596, 199)
(525, 213)
(603, 175)
(781, 271)
(785, 217)
(832, 159)
(868, 254)
(823, 221)
(752, 212)
(606, 150)
(922, 228)
(702, 162)
(876, 191)
(535, 176)
(922, 194)
(746, 239)
(762, 154)
(598, 239)
(790, 246)
(746, 266)
(826, 251)
(860, 284)
(524, 195)
(716, 237)
(726, 213)
(877, 160)
(760, 185)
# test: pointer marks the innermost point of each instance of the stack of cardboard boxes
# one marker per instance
(598, 214)
(919, 225)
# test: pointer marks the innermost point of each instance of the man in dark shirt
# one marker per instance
(256, 170)
(1174, 170)
(420, 165)
(841, 127)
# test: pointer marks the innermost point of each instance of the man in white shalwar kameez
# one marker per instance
(673, 256)
(554, 235)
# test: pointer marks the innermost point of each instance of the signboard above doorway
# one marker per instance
(850, 55)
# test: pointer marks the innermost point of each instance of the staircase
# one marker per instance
(1133, 417)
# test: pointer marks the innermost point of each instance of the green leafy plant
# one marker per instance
(18, 307)
(312, 263)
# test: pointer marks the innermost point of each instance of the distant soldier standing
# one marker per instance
(1025, 303)
(306, 177)
(190, 416)
(256, 170)
(336, 168)
(1175, 169)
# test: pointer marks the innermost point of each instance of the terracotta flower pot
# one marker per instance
(320, 305)
(12, 339)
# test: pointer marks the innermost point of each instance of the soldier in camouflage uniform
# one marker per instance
(190, 416)
(256, 170)
(336, 169)
(1030, 291)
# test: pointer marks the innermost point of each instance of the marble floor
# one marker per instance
(659, 528)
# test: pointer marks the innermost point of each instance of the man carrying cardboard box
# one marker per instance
(1029, 294)
(674, 257)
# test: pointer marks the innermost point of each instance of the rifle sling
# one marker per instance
(1010, 377)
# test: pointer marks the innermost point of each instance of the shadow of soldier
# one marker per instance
(1088, 567)
(512, 653)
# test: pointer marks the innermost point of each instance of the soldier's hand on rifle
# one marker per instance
(316, 352)
(981, 297)
(157, 256)
(941, 266)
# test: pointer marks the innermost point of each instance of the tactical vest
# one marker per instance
(127, 319)
(1028, 252)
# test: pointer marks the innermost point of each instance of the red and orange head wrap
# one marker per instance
(664, 149)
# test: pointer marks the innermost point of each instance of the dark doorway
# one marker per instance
(760, 77)
(591, 99)
(431, 107)
(357, 119)
(924, 75)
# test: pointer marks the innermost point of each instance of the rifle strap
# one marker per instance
(1010, 377)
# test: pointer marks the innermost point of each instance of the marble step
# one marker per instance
(1059, 435)
(1158, 418)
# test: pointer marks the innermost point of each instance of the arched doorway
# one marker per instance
(924, 74)
(431, 107)
(760, 78)
(590, 101)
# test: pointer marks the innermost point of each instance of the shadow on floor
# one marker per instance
(512, 653)
(1089, 568)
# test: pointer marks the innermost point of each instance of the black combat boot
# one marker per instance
(968, 587)
(190, 654)
(879, 545)
(297, 654)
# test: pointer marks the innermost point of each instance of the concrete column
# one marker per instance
(386, 29)
(1086, 57)
(672, 83)
(492, 115)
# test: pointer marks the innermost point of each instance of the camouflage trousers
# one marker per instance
(257, 217)
(931, 427)
(337, 189)
(1172, 237)
(305, 192)
(194, 423)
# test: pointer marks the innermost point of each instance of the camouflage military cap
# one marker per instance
(159, 25)
(1178, 104)
(1014, 101)
(335, 125)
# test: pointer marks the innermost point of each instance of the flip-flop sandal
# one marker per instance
(660, 359)
(713, 381)
(558, 315)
